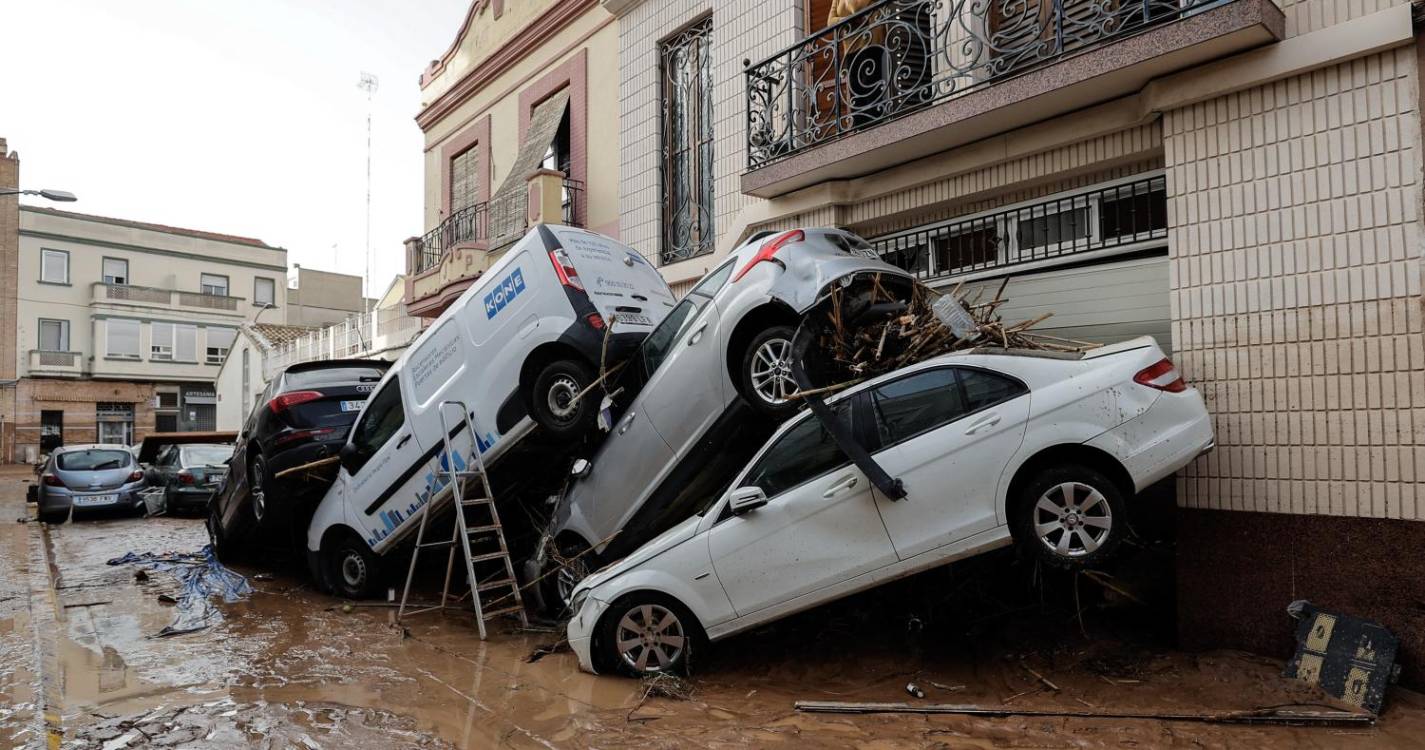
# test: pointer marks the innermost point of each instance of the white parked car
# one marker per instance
(1035, 448)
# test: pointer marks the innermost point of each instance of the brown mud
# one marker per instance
(289, 668)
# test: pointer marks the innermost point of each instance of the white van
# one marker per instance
(515, 348)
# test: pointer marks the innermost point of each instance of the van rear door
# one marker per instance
(618, 280)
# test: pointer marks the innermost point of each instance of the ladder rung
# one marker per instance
(475, 501)
(502, 583)
(473, 530)
(506, 611)
(488, 556)
(428, 545)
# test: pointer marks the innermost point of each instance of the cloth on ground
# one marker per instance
(200, 576)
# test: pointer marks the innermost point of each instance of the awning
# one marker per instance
(509, 206)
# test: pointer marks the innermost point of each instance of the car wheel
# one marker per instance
(54, 516)
(257, 493)
(1071, 517)
(647, 633)
(351, 568)
(765, 377)
(217, 538)
(552, 400)
(557, 583)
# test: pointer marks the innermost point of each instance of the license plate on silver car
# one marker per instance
(96, 499)
(351, 405)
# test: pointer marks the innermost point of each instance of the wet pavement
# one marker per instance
(292, 668)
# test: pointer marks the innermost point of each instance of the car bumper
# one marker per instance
(580, 632)
(124, 497)
(1163, 439)
(191, 497)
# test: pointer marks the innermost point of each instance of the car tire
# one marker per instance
(222, 549)
(554, 387)
(557, 584)
(764, 375)
(645, 615)
(1071, 517)
(351, 569)
(54, 516)
(257, 482)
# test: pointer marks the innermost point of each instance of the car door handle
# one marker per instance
(627, 421)
(841, 486)
(989, 421)
(698, 334)
(402, 442)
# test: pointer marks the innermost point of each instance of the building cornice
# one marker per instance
(620, 8)
(151, 250)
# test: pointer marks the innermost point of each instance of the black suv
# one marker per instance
(302, 416)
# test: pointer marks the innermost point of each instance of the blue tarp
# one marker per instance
(200, 577)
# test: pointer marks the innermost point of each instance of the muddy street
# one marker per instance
(289, 667)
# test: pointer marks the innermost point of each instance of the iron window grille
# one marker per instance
(686, 139)
(1116, 216)
(898, 56)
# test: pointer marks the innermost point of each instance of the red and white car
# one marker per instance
(1040, 449)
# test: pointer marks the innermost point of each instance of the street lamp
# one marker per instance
(61, 196)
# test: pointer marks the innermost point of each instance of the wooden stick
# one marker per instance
(317, 464)
(1280, 715)
(1040, 677)
(824, 389)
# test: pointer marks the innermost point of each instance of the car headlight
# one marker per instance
(576, 602)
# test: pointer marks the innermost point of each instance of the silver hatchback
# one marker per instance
(89, 477)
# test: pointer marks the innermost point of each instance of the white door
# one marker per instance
(946, 433)
(819, 528)
(686, 395)
(387, 454)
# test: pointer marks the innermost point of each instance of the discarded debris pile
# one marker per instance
(200, 576)
(866, 329)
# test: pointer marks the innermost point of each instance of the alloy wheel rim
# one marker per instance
(772, 371)
(1072, 519)
(561, 397)
(259, 497)
(650, 638)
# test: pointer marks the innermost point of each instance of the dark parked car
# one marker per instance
(89, 477)
(189, 474)
(302, 416)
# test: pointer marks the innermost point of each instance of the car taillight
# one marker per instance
(770, 249)
(296, 435)
(288, 400)
(596, 320)
(135, 475)
(51, 480)
(564, 268)
(185, 477)
(1162, 375)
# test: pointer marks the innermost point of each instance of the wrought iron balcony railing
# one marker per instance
(465, 225)
(1125, 215)
(572, 197)
(898, 56)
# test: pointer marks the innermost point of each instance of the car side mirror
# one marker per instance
(350, 458)
(745, 499)
(580, 469)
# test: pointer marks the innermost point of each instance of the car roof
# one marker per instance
(89, 446)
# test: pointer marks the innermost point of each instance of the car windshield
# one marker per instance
(304, 379)
(94, 460)
(206, 455)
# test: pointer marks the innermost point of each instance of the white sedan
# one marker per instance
(1035, 448)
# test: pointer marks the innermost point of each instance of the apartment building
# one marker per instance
(122, 325)
(9, 297)
(520, 128)
(321, 298)
(1239, 178)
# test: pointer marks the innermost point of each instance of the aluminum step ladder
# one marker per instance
(477, 534)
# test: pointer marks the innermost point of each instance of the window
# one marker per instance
(465, 179)
(264, 292)
(116, 423)
(984, 389)
(687, 143)
(1054, 229)
(917, 403)
(802, 453)
(967, 248)
(116, 271)
(168, 399)
(713, 282)
(54, 335)
(161, 341)
(212, 283)
(51, 430)
(220, 340)
(94, 459)
(381, 418)
(185, 343)
(121, 338)
(54, 266)
(656, 347)
(1127, 213)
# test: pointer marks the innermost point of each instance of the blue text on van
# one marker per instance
(504, 293)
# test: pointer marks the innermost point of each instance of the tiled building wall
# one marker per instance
(1295, 211)
(1305, 16)
(742, 30)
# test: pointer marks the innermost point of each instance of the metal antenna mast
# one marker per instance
(369, 84)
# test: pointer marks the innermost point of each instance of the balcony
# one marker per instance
(128, 295)
(949, 72)
(444, 261)
(56, 363)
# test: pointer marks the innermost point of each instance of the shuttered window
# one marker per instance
(464, 179)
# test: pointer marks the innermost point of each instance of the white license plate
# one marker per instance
(351, 405)
(96, 499)
(634, 319)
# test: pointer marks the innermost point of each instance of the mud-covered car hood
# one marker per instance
(809, 271)
(660, 544)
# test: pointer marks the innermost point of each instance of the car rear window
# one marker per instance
(304, 379)
(206, 455)
(94, 460)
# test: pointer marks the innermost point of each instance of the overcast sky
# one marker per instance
(237, 117)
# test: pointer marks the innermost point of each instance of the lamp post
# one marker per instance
(61, 196)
